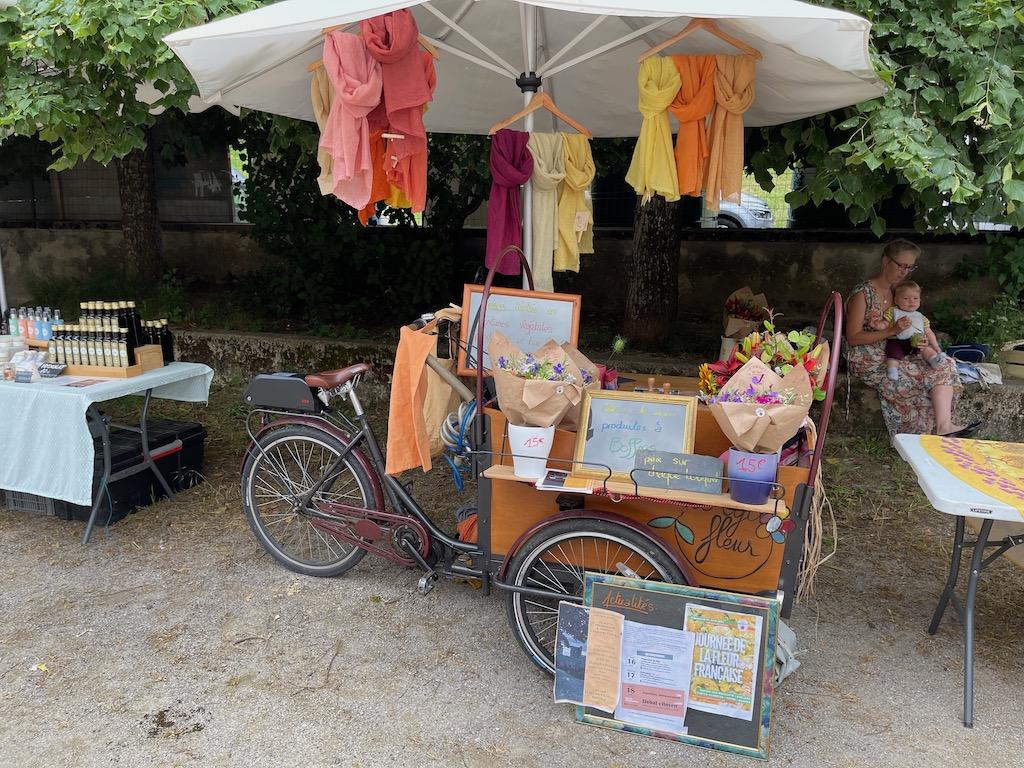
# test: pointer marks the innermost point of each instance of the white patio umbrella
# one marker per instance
(585, 51)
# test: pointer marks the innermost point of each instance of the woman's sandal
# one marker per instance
(967, 431)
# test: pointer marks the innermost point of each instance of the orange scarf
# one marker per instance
(734, 93)
(691, 106)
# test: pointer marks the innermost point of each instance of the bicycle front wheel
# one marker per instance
(555, 559)
(283, 467)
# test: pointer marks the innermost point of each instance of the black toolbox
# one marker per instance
(181, 465)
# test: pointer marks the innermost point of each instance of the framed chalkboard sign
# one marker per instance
(616, 426)
(727, 703)
(529, 319)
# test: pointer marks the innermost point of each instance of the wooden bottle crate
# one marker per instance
(147, 358)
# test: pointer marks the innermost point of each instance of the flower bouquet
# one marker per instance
(779, 351)
(542, 388)
(743, 312)
(759, 411)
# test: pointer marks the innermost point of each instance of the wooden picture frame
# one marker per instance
(637, 435)
(668, 605)
(533, 307)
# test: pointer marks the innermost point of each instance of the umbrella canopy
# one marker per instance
(814, 59)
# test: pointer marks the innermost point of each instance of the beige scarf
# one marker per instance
(322, 93)
(574, 206)
(734, 93)
(548, 150)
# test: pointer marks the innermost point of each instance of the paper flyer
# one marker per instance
(604, 652)
(655, 676)
(570, 652)
(726, 653)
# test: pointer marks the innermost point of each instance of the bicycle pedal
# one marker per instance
(426, 583)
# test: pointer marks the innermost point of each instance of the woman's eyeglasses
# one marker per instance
(906, 268)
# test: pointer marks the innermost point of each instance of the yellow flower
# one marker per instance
(707, 380)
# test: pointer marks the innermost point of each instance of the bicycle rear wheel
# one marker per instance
(555, 559)
(287, 463)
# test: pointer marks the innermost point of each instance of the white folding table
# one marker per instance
(948, 493)
(47, 431)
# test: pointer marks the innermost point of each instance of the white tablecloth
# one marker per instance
(45, 446)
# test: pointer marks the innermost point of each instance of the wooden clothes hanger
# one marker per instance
(708, 25)
(538, 101)
(424, 44)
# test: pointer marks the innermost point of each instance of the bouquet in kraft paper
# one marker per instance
(744, 311)
(759, 410)
(541, 388)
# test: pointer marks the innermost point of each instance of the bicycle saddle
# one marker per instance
(332, 379)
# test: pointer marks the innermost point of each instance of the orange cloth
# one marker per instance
(734, 93)
(691, 106)
(408, 445)
(409, 173)
(380, 189)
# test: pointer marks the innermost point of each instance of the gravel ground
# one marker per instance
(173, 640)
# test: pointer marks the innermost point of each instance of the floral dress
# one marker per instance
(906, 403)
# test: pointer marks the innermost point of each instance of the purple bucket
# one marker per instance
(751, 475)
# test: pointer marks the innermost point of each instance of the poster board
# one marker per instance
(528, 318)
(615, 426)
(716, 710)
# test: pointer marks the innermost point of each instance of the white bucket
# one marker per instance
(530, 447)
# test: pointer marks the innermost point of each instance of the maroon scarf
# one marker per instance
(511, 166)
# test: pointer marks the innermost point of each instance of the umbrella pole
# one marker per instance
(530, 35)
(3, 285)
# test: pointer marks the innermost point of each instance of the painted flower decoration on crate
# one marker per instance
(776, 525)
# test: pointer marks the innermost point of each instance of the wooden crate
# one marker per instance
(726, 552)
(147, 358)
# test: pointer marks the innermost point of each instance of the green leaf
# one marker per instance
(684, 532)
(661, 522)
(1014, 190)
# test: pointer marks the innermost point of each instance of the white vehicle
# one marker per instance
(750, 213)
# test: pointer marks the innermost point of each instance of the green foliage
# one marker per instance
(331, 269)
(996, 324)
(163, 298)
(69, 70)
(948, 128)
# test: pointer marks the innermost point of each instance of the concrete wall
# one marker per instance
(794, 269)
(213, 254)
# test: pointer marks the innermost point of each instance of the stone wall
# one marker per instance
(797, 270)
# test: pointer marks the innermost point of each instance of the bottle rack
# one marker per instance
(147, 358)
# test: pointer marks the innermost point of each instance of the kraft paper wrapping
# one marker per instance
(739, 327)
(536, 402)
(763, 428)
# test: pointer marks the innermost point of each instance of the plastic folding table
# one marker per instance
(953, 496)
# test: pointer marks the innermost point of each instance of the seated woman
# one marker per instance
(921, 398)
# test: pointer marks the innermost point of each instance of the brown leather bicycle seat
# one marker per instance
(332, 379)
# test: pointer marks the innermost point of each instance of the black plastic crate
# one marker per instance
(181, 467)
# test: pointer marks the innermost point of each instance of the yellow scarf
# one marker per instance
(734, 93)
(322, 93)
(653, 169)
(548, 154)
(572, 200)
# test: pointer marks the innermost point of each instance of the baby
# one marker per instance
(916, 337)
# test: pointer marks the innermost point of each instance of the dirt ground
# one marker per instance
(173, 640)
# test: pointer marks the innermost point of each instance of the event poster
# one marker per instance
(655, 676)
(727, 648)
(588, 646)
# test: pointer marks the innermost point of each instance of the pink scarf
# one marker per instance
(409, 173)
(511, 166)
(356, 77)
(391, 39)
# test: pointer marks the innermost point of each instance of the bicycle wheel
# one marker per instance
(292, 460)
(555, 559)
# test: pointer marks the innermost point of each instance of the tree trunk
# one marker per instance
(140, 224)
(652, 297)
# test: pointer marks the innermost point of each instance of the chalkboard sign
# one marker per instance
(680, 471)
(729, 701)
(529, 319)
(618, 425)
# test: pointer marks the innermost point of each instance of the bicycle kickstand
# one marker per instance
(426, 582)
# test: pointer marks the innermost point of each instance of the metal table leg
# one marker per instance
(954, 572)
(972, 588)
(98, 427)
